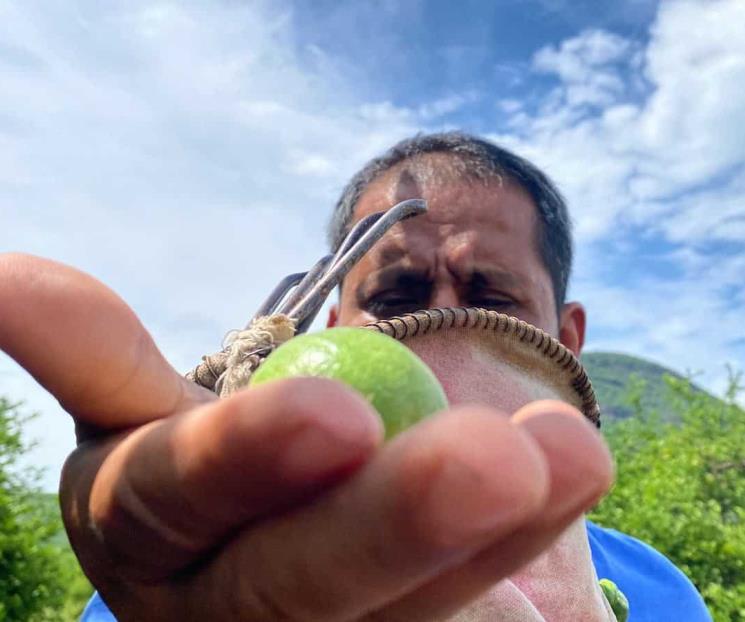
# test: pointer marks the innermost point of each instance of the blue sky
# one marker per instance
(188, 153)
(414, 52)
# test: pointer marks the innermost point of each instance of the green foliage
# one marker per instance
(681, 488)
(616, 599)
(40, 580)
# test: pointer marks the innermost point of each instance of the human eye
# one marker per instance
(495, 302)
(393, 302)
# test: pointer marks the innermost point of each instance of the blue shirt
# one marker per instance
(656, 589)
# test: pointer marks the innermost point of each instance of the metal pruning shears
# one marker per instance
(301, 295)
(298, 297)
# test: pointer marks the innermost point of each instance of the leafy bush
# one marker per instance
(40, 579)
(681, 488)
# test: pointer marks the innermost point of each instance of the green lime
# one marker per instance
(616, 598)
(391, 377)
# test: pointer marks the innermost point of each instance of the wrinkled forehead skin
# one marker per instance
(472, 225)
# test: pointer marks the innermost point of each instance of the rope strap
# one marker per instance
(229, 370)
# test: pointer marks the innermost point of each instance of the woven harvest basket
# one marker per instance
(478, 355)
(486, 356)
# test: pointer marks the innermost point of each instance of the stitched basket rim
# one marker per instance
(426, 321)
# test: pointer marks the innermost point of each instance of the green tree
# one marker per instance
(40, 579)
(681, 487)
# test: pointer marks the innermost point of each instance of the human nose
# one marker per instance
(445, 295)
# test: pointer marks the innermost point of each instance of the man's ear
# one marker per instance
(572, 322)
(333, 318)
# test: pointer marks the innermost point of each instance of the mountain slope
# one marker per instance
(611, 373)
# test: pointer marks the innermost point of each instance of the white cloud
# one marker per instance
(636, 151)
(695, 119)
(584, 64)
(510, 105)
(184, 153)
(445, 105)
(661, 154)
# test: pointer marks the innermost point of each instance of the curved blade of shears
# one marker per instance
(301, 295)
(357, 243)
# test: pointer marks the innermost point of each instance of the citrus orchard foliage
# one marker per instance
(40, 580)
(681, 488)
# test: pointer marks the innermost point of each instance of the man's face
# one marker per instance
(475, 247)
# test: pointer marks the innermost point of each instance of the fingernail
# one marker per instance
(581, 470)
(476, 493)
(317, 452)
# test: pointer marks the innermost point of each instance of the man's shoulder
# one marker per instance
(655, 587)
(657, 590)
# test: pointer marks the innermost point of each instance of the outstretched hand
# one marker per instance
(281, 502)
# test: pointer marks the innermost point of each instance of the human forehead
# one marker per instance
(461, 208)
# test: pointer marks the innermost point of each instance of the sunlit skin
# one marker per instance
(475, 247)
(177, 503)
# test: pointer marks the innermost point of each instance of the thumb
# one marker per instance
(86, 346)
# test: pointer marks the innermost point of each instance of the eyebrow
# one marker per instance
(391, 276)
(391, 254)
(406, 277)
(484, 277)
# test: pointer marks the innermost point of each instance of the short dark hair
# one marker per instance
(483, 160)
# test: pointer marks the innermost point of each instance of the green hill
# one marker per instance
(611, 374)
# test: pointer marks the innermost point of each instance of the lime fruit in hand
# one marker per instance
(391, 377)
(616, 598)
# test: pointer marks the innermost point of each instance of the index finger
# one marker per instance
(86, 346)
